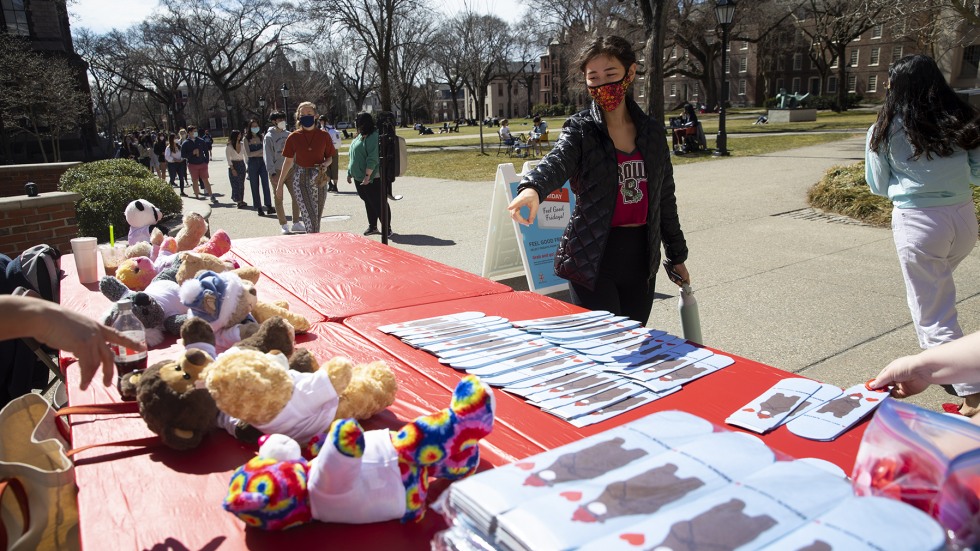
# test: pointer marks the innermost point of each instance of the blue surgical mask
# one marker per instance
(255, 130)
(193, 134)
(307, 120)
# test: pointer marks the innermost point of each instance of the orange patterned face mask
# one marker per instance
(609, 96)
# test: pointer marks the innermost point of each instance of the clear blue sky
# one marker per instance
(104, 15)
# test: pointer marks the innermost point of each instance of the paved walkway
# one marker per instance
(776, 284)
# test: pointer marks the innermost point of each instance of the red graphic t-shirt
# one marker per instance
(631, 201)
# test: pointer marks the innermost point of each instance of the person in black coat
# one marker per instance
(619, 166)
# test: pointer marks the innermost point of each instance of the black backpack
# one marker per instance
(22, 367)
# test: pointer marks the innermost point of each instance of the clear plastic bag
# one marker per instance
(926, 459)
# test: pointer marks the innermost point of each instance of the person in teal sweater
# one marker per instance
(363, 170)
(923, 153)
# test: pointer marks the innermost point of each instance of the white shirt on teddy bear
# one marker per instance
(376, 490)
(309, 411)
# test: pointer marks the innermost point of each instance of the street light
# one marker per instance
(262, 105)
(725, 13)
(285, 101)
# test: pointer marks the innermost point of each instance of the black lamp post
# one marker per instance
(262, 105)
(725, 13)
(285, 101)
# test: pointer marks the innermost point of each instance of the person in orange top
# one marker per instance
(311, 151)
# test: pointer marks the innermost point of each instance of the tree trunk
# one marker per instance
(841, 78)
(653, 54)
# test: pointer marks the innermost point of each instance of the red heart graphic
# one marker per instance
(633, 539)
(748, 409)
(524, 466)
(870, 399)
(571, 496)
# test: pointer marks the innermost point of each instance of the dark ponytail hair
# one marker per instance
(611, 45)
(935, 119)
(364, 123)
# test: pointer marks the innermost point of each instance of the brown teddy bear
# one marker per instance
(255, 384)
(170, 403)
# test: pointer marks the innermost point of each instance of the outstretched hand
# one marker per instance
(527, 198)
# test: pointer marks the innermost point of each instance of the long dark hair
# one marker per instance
(235, 139)
(364, 123)
(172, 143)
(248, 131)
(935, 119)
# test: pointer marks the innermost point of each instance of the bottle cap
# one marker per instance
(125, 303)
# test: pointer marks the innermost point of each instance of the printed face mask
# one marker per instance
(609, 96)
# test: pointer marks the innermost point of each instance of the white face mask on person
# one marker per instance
(281, 125)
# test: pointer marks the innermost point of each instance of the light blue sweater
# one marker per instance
(920, 183)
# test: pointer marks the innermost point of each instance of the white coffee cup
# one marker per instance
(86, 254)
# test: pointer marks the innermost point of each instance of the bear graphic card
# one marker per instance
(559, 320)
(461, 316)
(594, 402)
(419, 340)
(627, 337)
(528, 387)
(683, 355)
(540, 369)
(637, 351)
(592, 508)
(867, 524)
(688, 373)
(580, 325)
(590, 333)
(831, 419)
(529, 359)
(474, 343)
(473, 361)
(446, 326)
(825, 393)
(767, 411)
(503, 346)
(484, 496)
(570, 385)
(617, 408)
(750, 513)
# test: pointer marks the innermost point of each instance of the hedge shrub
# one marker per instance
(843, 190)
(107, 187)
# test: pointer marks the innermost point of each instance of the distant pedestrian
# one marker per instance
(175, 163)
(193, 151)
(235, 155)
(159, 148)
(311, 151)
(257, 172)
(334, 170)
(923, 153)
(363, 171)
(272, 145)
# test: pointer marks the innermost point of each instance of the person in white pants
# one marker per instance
(923, 153)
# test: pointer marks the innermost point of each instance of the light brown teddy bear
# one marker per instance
(192, 263)
(260, 389)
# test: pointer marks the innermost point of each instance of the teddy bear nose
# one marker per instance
(141, 299)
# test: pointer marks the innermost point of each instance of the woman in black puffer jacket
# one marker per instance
(619, 166)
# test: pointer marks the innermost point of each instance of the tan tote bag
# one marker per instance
(34, 468)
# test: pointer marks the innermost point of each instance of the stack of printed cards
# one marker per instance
(584, 368)
(673, 481)
(809, 409)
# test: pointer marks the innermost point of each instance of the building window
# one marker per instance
(876, 31)
(728, 64)
(745, 44)
(831, 85)
(896, 53)
(673, 52)
(673, 89)
(852, 83)
(15, 14)
(500, 89)
(855, 55)
(797, 62)
(743, 65)
(971, 62)
(833, 62)
(741, 86)
(796, 85)
(872, 83)
(697, 89)
(779, 84)
(875, 55)
(780, 64)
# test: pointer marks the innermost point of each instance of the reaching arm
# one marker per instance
(954, 362)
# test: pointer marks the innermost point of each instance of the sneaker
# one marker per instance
(242, 205)
(259, 210)
(299, 227)
(390, 233)
(213, 198)
(395, 197)
(270, 210)
(372, 231)
(285, 229)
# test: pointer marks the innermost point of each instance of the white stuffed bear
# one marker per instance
(141, 216)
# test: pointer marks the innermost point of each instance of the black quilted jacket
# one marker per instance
(584, 153)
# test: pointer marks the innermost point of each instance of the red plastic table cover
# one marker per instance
(158, 498)
(341, 274)
(713, 397)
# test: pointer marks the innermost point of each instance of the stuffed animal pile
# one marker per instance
(362, 477)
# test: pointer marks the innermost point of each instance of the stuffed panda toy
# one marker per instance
(141, 216)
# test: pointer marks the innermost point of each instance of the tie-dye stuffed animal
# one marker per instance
(361, 477)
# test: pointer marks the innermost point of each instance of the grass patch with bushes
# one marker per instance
(107, 187)
(843, 190)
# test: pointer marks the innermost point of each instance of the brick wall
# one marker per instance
(28, 221)
(46, 175)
